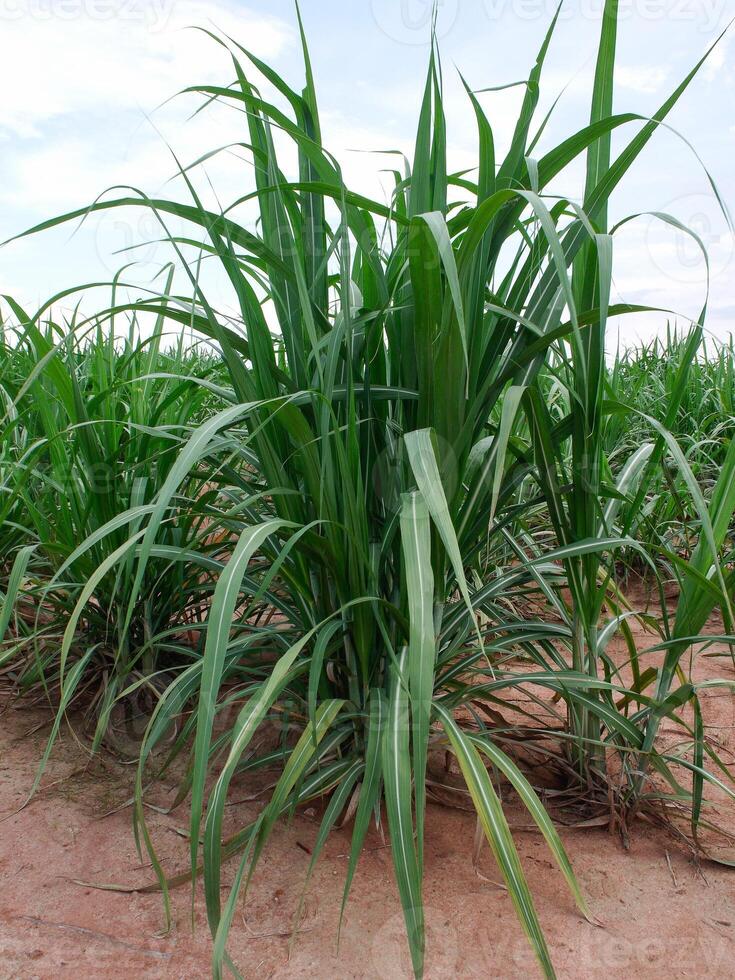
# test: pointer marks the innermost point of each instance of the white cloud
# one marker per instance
(641, 78)
(77, 124)
(74, 122)
(69, 171)
(79, 81)
(718, 61)
(106, 55)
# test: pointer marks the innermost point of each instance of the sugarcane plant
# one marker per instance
(94, 422)
(385, 406)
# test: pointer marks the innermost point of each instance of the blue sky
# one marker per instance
(83, 79)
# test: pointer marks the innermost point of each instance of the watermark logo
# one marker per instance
(409, 21)
(677, 251)
(390, 958)
(391, 472)
(121, 238)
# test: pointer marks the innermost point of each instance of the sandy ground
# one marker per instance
(662, 914)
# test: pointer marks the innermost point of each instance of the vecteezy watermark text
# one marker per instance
(153, 14)
(410, 21)
(704, 14)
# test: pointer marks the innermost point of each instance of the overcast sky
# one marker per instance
(82, 80)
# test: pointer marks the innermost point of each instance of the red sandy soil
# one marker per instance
(663, 915)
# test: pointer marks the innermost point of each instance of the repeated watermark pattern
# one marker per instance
(134, 235)
(678, 250)
(154, 14)
(410, 21)
(606, 952)
(389, 952)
